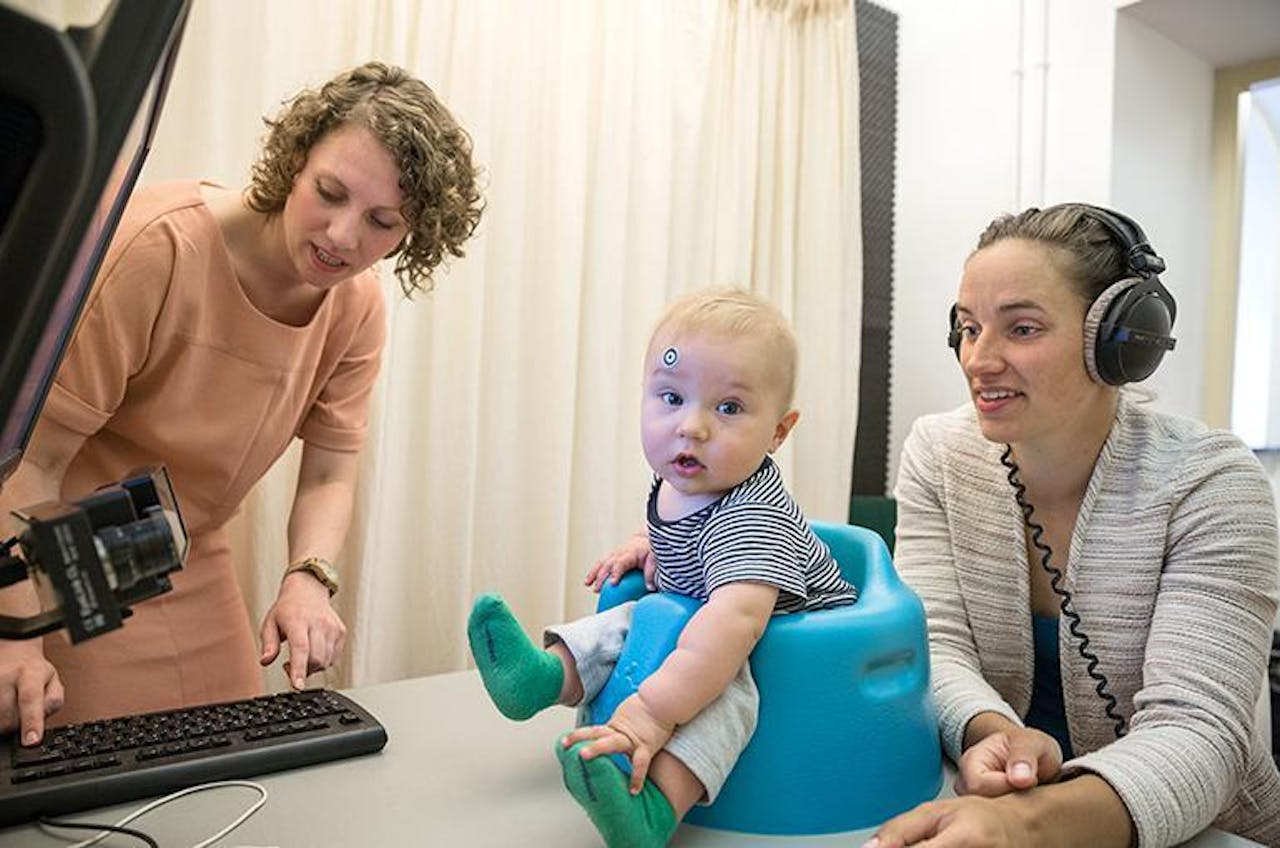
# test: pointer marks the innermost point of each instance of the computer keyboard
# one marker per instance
(82, 766)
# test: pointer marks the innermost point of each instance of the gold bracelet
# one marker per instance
(319, 568)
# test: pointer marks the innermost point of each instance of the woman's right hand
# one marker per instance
(632, 554)
(30, 690)
(1008, 760)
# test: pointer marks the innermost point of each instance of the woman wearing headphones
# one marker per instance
(1099, 577)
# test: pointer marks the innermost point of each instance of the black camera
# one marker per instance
(93, 558)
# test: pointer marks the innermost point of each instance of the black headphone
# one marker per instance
(1126, 329)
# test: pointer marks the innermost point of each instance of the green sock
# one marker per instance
(602, 789)
(520, 677)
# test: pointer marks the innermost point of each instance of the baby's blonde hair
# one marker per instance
(735, 312)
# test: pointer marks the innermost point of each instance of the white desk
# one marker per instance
(455, 773)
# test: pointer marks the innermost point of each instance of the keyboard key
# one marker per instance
(34, 756)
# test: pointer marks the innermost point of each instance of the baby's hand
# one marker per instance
(632, 730)
(632, 554)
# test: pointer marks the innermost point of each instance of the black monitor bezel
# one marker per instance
(87, 86)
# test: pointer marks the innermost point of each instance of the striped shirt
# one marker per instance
(755, 532)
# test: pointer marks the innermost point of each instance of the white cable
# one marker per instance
(190, 790)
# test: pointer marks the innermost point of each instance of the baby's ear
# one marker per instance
(783, 429)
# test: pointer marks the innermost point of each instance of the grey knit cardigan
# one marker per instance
(1173, 567)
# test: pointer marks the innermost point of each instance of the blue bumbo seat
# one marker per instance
(847, 736)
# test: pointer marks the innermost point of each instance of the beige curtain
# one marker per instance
(632, 151)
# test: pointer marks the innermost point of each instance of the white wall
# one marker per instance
(1161, 176)
(963, 126)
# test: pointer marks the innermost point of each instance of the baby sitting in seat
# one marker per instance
(719, 381)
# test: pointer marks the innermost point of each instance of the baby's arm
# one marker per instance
(713, 646)
(711, 649)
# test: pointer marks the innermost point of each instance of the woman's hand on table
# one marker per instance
(966, 822)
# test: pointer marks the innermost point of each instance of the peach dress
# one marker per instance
(172, 363)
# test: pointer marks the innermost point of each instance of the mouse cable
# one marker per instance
(119, 827)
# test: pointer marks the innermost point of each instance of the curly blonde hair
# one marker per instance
(442, 203)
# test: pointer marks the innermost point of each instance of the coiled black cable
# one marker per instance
(1065, 602)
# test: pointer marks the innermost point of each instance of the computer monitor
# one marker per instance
(78, 110)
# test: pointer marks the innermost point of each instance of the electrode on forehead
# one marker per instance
(670, 357)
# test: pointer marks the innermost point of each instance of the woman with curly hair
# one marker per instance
(222, 325)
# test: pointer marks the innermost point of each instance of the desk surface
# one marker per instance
(454, 773)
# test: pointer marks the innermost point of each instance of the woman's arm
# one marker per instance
(924, 558)
(332, 433)
(1188, 746)
(323, 502)
(1083, 811)
(318, 522)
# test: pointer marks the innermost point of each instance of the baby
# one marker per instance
(718, 386)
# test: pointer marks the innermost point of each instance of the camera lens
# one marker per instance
(139, 549)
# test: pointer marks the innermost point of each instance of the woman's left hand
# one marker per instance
(954, 823)
(303, 617)
(632, 730)
(1008, 760)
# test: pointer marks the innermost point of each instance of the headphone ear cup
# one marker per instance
(1100, 313)
(953, 332)
(1112, 354)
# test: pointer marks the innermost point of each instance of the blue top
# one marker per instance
(1047, 712)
